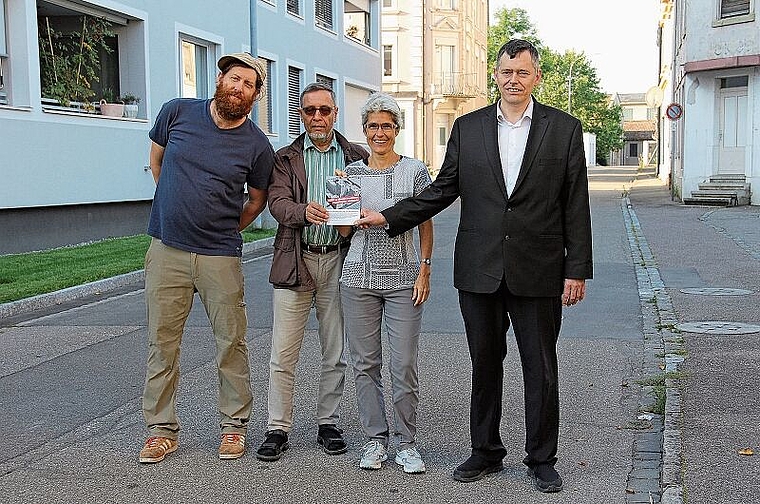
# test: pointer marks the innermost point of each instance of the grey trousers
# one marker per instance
(291, 313)
(363, 311)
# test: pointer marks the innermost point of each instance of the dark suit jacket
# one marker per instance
(534, 239)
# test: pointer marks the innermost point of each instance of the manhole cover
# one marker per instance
(718, 327)
(716, 291)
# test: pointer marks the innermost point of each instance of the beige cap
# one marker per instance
(246, 59)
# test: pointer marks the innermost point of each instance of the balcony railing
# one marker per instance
(457, 84)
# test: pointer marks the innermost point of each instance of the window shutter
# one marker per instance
(730, 8)
(324, 13)
(293, 7)
(326, 81)
(294, 104)
(265, 104)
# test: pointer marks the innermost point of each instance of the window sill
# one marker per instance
(18, 109)
(746, 18)
(74, 113)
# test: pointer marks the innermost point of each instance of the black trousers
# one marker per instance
(536, 323)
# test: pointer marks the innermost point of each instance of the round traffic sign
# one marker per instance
(674, 111)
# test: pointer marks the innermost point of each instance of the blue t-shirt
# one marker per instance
(199, 196)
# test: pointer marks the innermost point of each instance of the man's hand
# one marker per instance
(575, 291)
(316, 213)
(370, 218)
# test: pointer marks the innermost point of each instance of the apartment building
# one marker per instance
(711, 108)
(69, 173)
(435, 64)
(639, 131)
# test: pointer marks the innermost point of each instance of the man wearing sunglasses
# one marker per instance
(308, 258)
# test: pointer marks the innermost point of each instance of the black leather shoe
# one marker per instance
(331, 439)
(545, 478)
(475, 468)
(274, 444)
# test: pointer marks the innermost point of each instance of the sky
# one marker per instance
(619, 37)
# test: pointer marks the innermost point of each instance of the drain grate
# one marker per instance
(716, 291)
(718, 327)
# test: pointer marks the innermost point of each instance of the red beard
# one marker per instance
(229, 108)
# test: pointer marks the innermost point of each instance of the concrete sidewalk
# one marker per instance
(708, 304)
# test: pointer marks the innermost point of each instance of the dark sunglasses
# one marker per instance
(323, 110)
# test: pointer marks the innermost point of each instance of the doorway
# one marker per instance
(734, 114)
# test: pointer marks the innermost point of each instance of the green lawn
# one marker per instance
(27, 275)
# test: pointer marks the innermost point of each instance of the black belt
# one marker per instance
(321, 249)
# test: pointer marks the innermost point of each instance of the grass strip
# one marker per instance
(34, 273)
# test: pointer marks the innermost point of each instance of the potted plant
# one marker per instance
(70, 58)
(130, 102)
(109, 104)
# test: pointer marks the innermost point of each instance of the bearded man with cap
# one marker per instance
(203, 154)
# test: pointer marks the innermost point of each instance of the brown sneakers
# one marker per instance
(156, 448)
(232, 446)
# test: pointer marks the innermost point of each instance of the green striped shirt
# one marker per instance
(320, 165)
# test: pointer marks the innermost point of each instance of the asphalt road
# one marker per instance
(71, 382)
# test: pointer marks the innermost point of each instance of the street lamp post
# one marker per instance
(570, 83)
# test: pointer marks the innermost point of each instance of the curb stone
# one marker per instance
(94, 288)
(664, 437)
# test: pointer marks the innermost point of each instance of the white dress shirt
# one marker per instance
(513, 137)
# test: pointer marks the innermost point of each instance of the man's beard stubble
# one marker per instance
(320, 135)
(228, 109)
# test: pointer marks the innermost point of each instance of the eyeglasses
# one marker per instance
(323, 110)
(386, 127)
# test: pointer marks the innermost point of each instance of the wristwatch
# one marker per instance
(426, 261)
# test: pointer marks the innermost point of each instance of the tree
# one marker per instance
(569, 82)
(510, 23)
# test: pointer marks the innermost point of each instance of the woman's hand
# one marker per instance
(421, 291)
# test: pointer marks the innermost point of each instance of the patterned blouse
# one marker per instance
(375, 260)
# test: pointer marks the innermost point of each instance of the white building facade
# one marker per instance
(435, 56)
(70, 174)
(715, 74)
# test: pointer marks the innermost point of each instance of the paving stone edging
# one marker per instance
(661, 338)
(94, 288)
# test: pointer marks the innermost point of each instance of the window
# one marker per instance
(294, 101)
(326, 81)
(628, 113)
(88, 54)
(387, 3)
(79, 61)
(447, 4)
(294, 7)
(731, 8)
(356, 20)
(3, 54)
(733, 82)
(195, 67)
(387, 60)
(633, 150)
(323, 12)
(441, 135)
(446, 56)
(264, 118)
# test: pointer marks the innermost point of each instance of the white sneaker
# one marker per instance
(373, 455)
(411, 460)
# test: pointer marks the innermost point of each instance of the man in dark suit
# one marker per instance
(523, 249)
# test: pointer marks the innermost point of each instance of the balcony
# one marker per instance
(456, 85)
